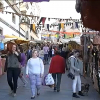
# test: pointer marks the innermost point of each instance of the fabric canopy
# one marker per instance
(6, 40)
(17, 40)
(11, 36)
(35, 0)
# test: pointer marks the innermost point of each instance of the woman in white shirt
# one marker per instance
(35, 71)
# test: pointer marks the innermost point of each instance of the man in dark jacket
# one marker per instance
(29, 53)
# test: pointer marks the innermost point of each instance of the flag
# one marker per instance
(40, 20)
(31, 27)
(59, 26)
(43, 20)
(34, 27)
(35, 0)
(76, 24)
(62, 26)
(48, 27)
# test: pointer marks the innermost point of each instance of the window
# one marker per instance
(27, 7)
(32, 38)
(23, 12)
(1, 6)
(13, 18)
(14, 1)
(27, 35)
(31, 13)
(1, 32)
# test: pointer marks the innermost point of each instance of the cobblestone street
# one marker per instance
(24, 93)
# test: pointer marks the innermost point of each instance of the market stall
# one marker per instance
(8, 42)
(2, 60)
(91, 59)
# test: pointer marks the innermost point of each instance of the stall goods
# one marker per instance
(74, 45)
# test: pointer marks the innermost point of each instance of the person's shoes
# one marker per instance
(55, 89)
(75, 95)
(38, 94)
(24, 85)
(14, 95)
(80, 93)
(33, 97)
(58, 90)
(11, 92)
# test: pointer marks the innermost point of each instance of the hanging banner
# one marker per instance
(70, 33)
(35, 0)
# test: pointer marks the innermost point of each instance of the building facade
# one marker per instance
(28, 8)
(10, 23)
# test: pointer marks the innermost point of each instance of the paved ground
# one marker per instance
(24, 93)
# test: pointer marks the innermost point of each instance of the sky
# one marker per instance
(59, 9)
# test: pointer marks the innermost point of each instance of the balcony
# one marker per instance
(24, 23)
(15, 8)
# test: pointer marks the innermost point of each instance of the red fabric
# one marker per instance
(57, 65)
(43, 20)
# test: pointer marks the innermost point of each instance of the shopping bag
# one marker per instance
(43, 81)
(49, 80)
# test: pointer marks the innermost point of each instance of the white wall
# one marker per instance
(8, 19)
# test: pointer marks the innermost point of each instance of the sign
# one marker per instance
(35, 0)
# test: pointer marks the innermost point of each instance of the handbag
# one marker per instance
(71, 76)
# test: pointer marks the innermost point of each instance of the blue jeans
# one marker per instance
(53, 55)
(41, 58)
(46, 57)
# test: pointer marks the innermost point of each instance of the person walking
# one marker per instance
(53, 52)
(41, 54)
(12, 67)
(22, 66)
(76, 70)
(57, 68)
(46, 50)
(29, 53)
(63, 53)
(35, 71)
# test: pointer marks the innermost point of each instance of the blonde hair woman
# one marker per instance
(35, 71)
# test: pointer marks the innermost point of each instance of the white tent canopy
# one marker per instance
(76, 39)
(8, 39)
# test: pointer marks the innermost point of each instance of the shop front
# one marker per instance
(91, 57)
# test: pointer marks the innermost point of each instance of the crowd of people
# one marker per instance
(33, 61)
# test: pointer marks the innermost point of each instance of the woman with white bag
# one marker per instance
(57, 68)
(35, 71)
